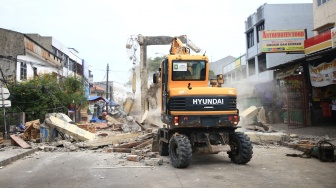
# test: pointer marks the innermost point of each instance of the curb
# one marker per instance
(17, 157)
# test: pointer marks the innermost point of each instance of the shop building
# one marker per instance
(275, 35)
(310, 81)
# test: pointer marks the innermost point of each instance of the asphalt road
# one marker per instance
(269, 167)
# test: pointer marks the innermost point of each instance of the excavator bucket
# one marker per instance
(128, 106)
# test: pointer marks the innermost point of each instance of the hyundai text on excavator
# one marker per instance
(197, 118)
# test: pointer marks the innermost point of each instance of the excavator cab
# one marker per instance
(188, 70)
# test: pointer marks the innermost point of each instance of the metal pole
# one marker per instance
(4, 112)
(107, 86)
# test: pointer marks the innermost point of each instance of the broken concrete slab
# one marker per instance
(112, 120)
(104, 141)
(249, 113)
(70, 129)
(257, 137)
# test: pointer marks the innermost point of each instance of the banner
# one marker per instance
(282, 40)
(333, 37)
(287, 71)
(323, 75)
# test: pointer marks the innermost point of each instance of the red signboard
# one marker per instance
(317, 39)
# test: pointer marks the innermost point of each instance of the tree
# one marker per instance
(45, 94)
(153, 65)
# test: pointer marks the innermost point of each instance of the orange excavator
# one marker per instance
(197, 117)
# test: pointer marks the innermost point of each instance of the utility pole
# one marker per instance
(111, 93)
(107, 86)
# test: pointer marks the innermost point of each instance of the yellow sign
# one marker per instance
(282, 40)
(237, 63)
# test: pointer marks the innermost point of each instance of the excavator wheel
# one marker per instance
(163, 149)
(180, 151)
(241, 148)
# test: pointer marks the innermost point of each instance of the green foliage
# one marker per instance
(154, 64)
(46, 94)
(211, 74)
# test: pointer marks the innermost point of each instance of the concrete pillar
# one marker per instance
(143, 74)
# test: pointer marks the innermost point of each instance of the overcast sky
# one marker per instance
(99, 29)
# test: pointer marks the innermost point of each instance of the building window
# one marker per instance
(262, 63)
(71, 64)
(250, 38)
(233, 77)
(65, 60)
(23, 71)
(321, 2)
(260, 27)
(251, 67)
(35, 72)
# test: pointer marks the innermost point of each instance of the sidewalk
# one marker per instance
(10, 154)
(320, 130)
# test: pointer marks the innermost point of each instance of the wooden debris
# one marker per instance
(146, 136)
(19, 141)
(142, 127)
(100, 125)
(126, 148)
(32, 130)
(130, 145)
(122, 150)
(144, 144)
(88, 127)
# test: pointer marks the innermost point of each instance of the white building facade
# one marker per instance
(273, 17)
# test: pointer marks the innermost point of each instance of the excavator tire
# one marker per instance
(241, 148)
(163, 149)
(180, 151)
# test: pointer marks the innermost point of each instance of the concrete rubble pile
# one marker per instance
(255, 124)
(254, 120)
(59, 133)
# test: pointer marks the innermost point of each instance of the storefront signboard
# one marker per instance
(282, 40)
(285, 72)
(323, 74)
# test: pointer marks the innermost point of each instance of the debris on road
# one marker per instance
(19, 141)
(63, 125)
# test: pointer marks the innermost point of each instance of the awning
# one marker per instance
(97, 98)
(322, 56)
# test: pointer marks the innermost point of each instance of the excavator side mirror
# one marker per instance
(156, 77)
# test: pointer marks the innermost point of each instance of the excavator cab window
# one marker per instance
(188, 70)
